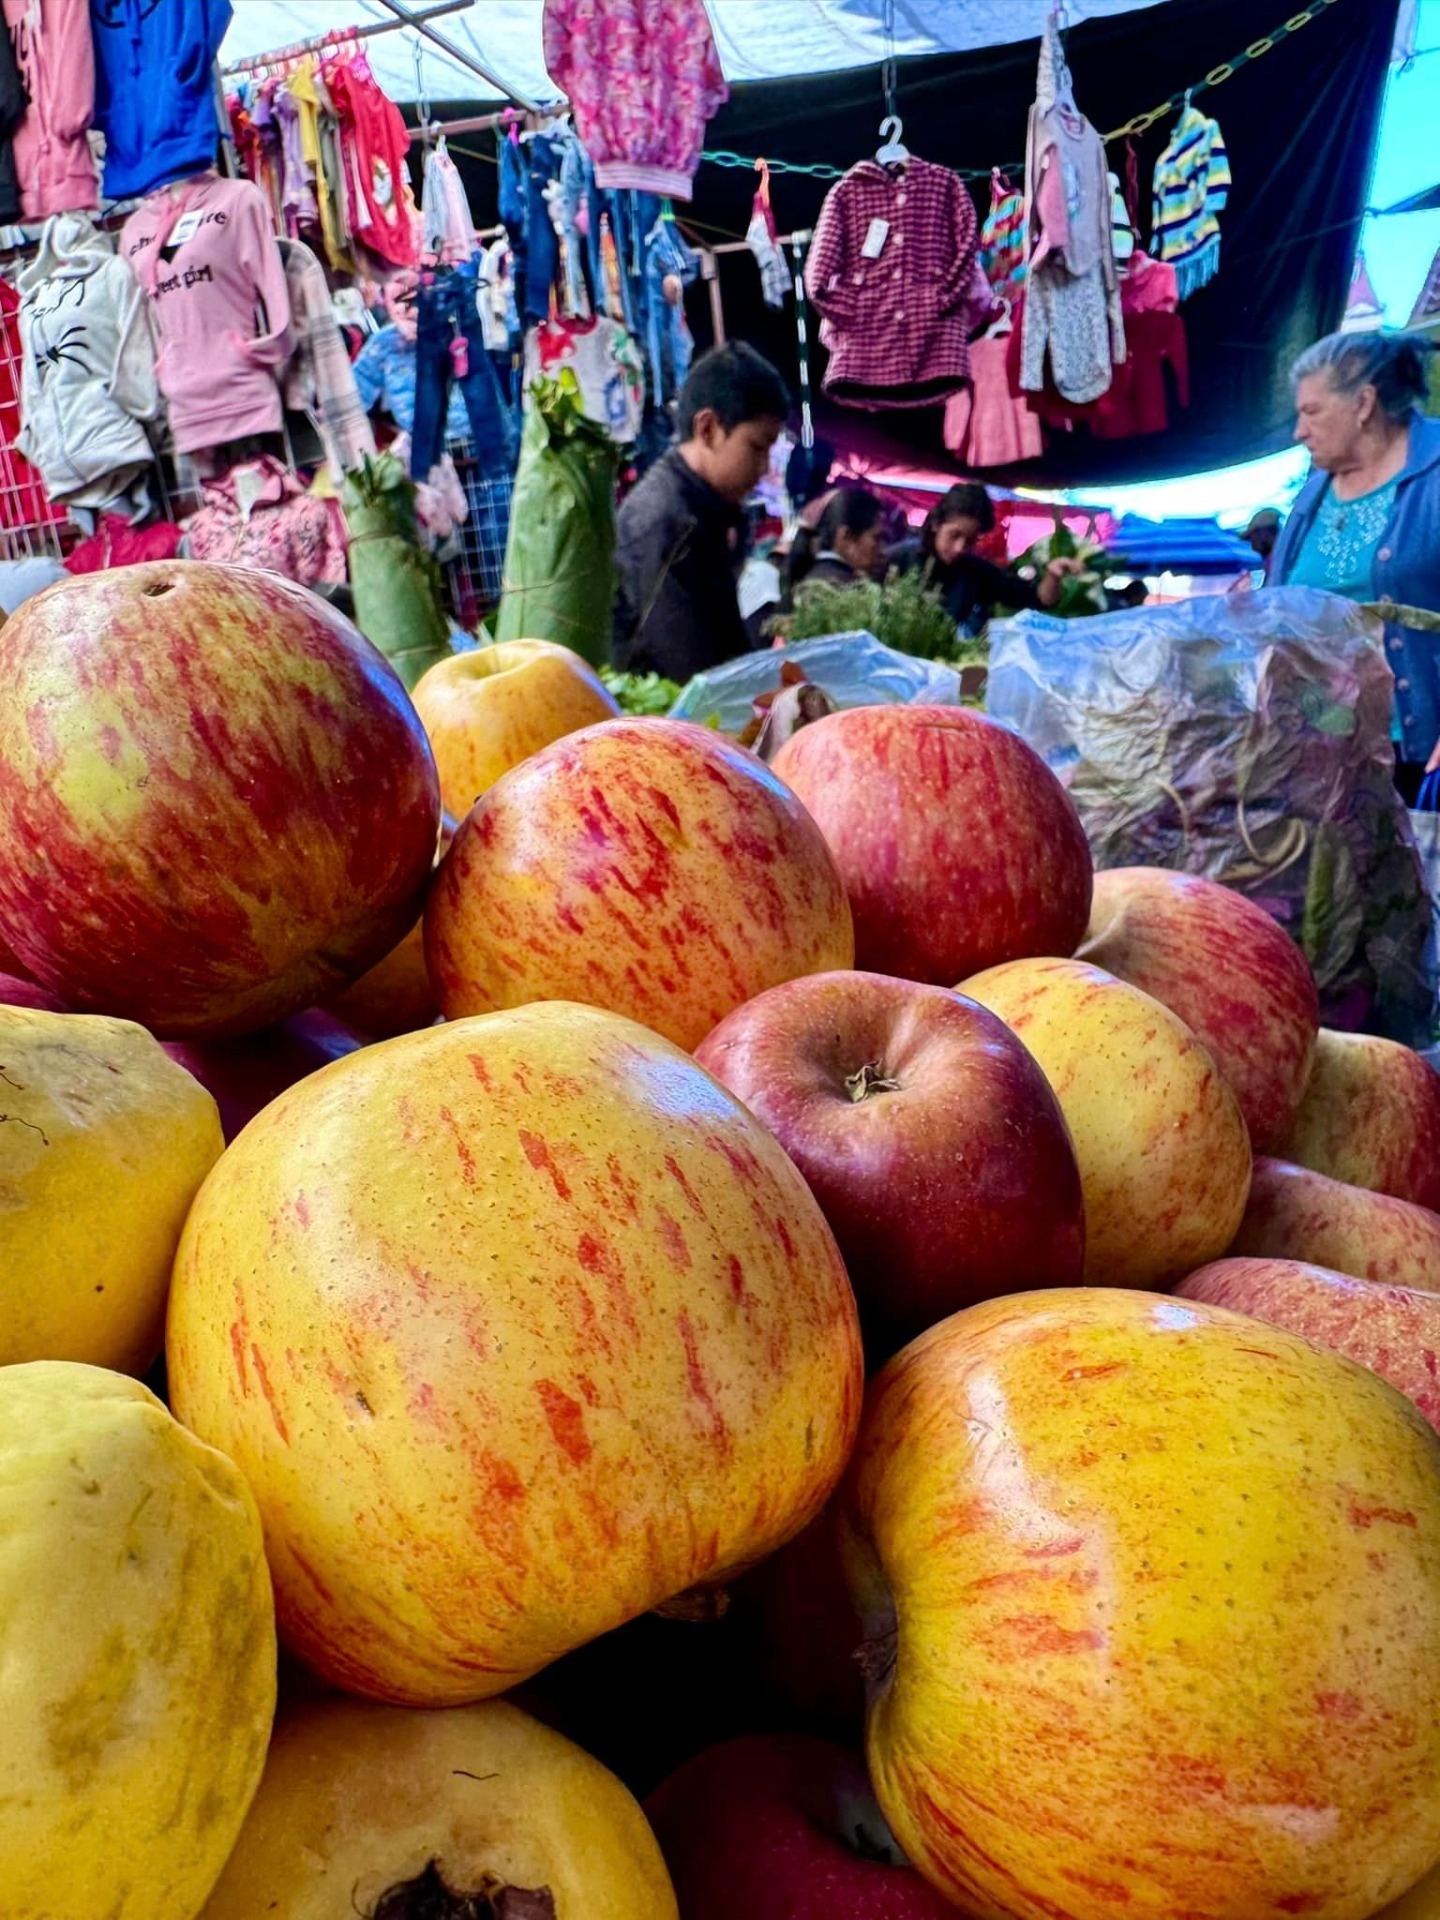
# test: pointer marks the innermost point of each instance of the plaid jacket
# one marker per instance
(320, 380)
(898, 324)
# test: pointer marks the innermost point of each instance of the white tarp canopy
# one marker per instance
(758, 39)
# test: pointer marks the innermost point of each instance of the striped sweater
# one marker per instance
(1192, 184)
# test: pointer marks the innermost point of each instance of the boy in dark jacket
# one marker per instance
(677, 541)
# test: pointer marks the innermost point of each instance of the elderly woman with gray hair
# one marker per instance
(1367, 524)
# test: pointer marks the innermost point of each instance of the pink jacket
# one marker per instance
(208, 258)
(643, 78)
(57, 64)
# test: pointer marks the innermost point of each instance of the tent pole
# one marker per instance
(338, 37)
(418, 21)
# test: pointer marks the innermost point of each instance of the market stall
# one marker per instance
(814, 1293)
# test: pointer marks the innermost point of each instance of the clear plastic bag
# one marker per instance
(855, 669)
(1245, 737)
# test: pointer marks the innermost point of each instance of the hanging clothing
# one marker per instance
(1192, 185)
(894, 272)
(450, 348)
(88, 370)
(13, 100)
(208, 258)
(643, 79)
(297, 194)
(484, 533)
(1072, 322)
(56, 61)
(1002, 238)
(258, 515)
(320, 138)
(447, 226)
(155, 97)
(385, 376)
(987, 425)
(763, 239)
(115, 543)
(23, 500)
(1157, 355)
(375, 141)
(320, 380)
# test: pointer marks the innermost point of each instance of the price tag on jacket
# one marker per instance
(875, 239)
(185, 228)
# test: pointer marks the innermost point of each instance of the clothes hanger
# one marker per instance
(892, 151)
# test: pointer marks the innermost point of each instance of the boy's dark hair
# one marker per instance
(737, 384)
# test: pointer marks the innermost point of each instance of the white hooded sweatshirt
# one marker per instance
(88, 366)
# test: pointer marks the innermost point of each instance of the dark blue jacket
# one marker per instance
(1407, 570)
(155, 96)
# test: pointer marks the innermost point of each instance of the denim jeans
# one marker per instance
(446, 313)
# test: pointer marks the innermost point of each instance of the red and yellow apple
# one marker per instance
(478, 1811)
(217, 803)
(643, 866)
(958, 847)
(487, 710)
(395, 996)
(1296, 1214)
(1394, 1331)
(1370, 1117)
(16, 991)
(518, 1327)
(1164, 1156)
(925, 1130)
(1235, 977)
(1153, 1599)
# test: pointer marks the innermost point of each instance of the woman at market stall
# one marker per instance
(1367, 524)
(846, 545)
(971, 586)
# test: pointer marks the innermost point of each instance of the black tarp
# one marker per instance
(1300, 123)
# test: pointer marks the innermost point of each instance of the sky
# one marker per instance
(1398, 252)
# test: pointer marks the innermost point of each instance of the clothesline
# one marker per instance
(1138, 123)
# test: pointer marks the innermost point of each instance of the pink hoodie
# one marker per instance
(207, 256)
(57, 64)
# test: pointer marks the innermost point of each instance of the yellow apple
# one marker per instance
(518, 1327)
(361, 1802)
(104, 1142)
(137, 1651)
(1370, 1117)
(1163, 1152)
(1152, 1597)
(488, 710)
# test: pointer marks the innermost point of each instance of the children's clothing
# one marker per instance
(1192, 185)
(208, 259)
(88, 366)
(385, 375)
(643, 78)
(375, 140)
(894, 272)
(320, 381)
(54, 53)
(155, 97)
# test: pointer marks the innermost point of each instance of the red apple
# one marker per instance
(647, 867)
(217, 803)
(958, 847)
(926, 1131)
(1371, 1117)
(244, 1075)
(1394, 1331)
(1224, 966)
(1295, 1214)
(15, 992)
(784, 1828)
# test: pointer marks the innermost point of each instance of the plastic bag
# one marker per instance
(395, 581)
(1245, 737)
(853, 668)
(560, 559)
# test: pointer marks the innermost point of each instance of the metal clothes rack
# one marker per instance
(417, 22)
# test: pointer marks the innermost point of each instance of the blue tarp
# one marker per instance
(1179, 546)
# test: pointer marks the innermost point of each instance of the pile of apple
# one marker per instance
(507, 1216)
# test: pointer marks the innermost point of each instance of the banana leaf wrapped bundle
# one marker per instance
(395, 579)
(560, 561)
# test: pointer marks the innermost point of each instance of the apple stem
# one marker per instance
(870, 1080)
